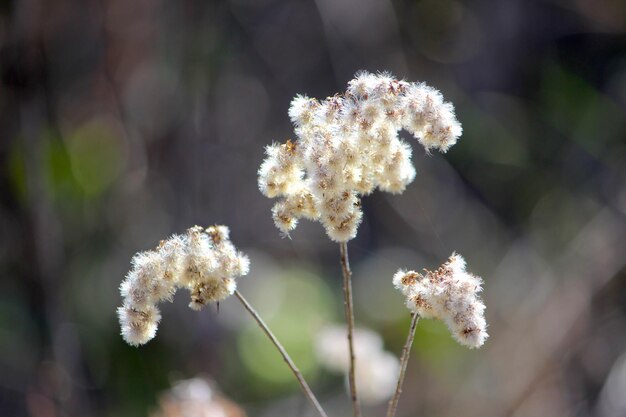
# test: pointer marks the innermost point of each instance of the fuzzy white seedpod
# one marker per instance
(284, 218)
(301, 110)
(203, 260)
(430, 119)
(200, 259)
(278, 174)
(219, 235)
(349, 143)
(138, 325)
(343, 227)
(242, 265)
(398, 172)
(450, 294)
(363, 84)
(214, 289)
(171, 252)
(302, 204)
(403, 280)
(269, 173)
(298, 205)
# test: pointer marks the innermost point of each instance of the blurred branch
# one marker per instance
(303, 384)
(349, 311)
(404, 361)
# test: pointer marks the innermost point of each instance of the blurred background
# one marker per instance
(122, 122)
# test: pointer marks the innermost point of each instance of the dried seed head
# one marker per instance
(450, 294)
(203, 260)
(349, 143)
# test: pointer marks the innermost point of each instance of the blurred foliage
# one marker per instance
(296, 319)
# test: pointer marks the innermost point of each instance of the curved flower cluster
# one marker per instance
(448, 294)
(376, 369)
(348, 146)
(203, 260)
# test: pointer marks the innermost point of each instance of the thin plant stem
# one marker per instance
(303, 384)
(404, 361)
(349, 310)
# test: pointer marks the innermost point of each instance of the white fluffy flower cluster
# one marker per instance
(203, 261)
(376, 370)
(348, 146)
(450, 294)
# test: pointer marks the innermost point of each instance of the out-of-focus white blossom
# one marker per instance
(196, 397)
(348, 146)
(450, 294)
(203, 260)
(376, 370)
(332, 346)
(376, 377)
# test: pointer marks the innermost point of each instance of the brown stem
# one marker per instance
(305, 387)
(404, 360)
(349, 310)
